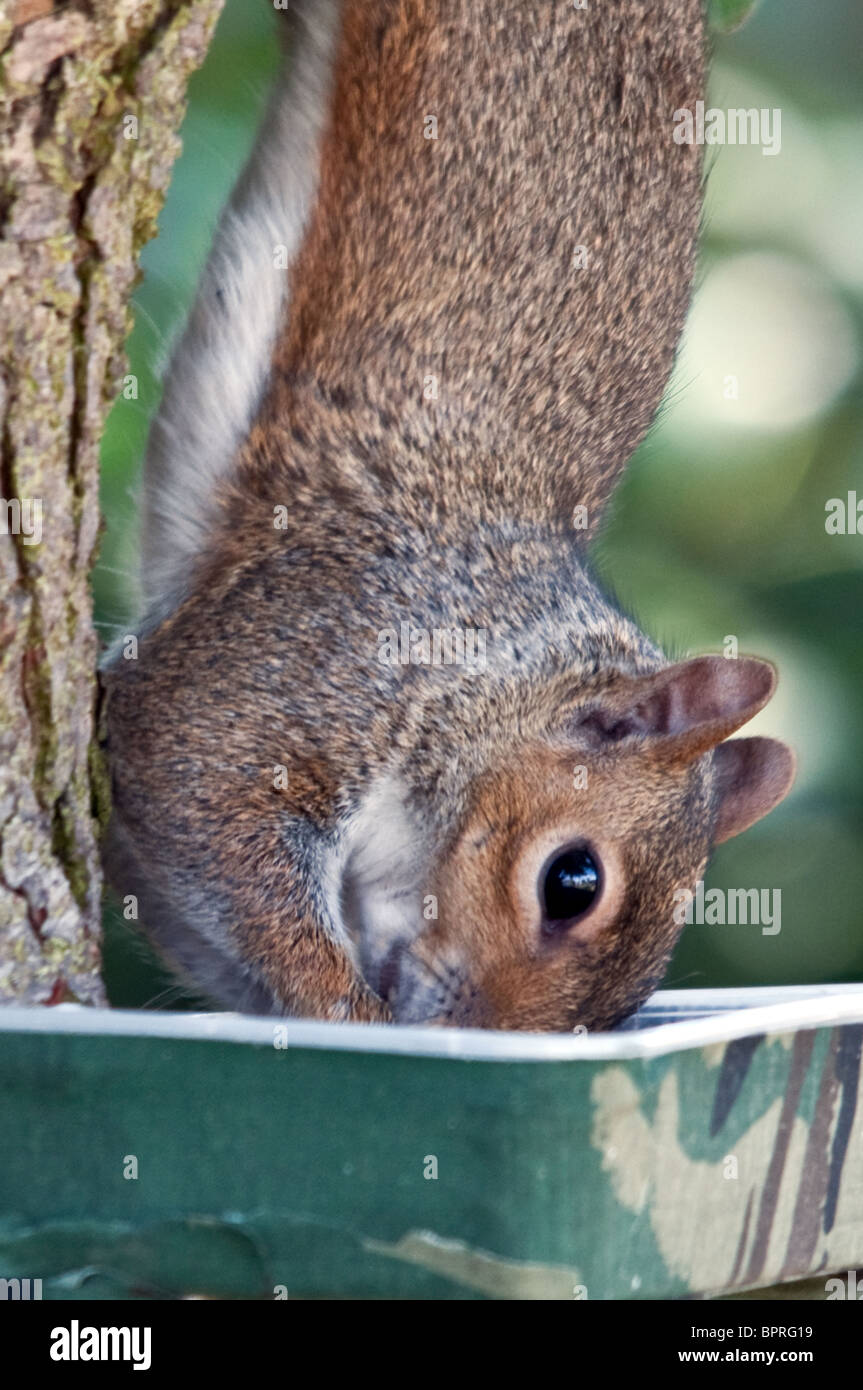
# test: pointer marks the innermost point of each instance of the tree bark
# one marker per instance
(93, 95)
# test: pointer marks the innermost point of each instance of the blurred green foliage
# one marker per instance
(719, 530)
(727, 15)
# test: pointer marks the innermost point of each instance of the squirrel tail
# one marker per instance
(219, 366)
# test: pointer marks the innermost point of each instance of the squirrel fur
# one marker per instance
(393, 435)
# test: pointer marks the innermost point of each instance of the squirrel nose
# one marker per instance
(472, 1010)
(390, 972)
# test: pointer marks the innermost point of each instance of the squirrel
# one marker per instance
(388, 752)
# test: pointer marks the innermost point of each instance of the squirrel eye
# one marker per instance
(568, 887)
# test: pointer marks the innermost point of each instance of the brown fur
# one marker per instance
(451, 258)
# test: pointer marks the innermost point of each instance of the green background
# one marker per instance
(719, 529)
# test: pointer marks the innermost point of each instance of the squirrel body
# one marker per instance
(367, 466)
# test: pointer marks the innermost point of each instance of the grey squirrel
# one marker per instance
(387, 751)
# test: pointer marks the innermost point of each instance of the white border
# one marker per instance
(742, 1013)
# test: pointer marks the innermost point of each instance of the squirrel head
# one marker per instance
(557, 893)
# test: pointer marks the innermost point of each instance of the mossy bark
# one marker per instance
(93, 95)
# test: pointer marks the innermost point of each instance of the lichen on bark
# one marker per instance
(92, 97)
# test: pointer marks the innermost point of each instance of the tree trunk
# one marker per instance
(93, 95)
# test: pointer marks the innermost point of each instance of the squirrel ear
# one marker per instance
(689, 707)
(701, 702)
(752, 776)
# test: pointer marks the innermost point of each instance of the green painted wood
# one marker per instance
(304, 1167)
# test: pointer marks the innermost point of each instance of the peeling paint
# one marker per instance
(479, 1269)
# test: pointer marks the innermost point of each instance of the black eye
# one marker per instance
(569, 886)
